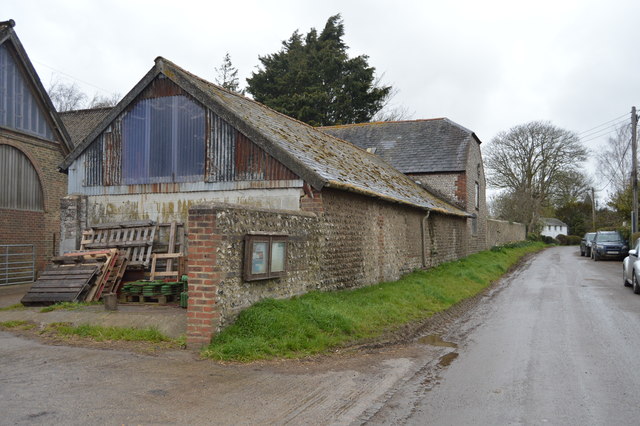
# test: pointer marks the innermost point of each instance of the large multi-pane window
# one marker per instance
(163, 140)
(19, 109)
(20, 189)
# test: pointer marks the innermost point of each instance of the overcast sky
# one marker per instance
(487, 65)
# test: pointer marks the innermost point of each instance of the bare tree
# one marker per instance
(227, 75)
(66, 97)
(390, 112)
(100, 101)
(570, 187)
(528, 160)
(614, 160)
(69, 97)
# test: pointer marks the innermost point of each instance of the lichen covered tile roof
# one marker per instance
(81, 122)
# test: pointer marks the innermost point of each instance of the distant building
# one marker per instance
(552, 227)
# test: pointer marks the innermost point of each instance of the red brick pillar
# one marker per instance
(204, 277)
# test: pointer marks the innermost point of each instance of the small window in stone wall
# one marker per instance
(265, 256)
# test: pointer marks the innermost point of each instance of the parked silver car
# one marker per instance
(631, 268)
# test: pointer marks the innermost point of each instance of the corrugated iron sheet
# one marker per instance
(234, 157)
(93, 162)
(20, 187)
(112, 154)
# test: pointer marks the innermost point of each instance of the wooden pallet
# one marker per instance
(64, 282)
(136, 239)
(106, 261)
(170, 271)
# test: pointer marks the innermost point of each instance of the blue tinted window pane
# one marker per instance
(18, 106)
(161, 137)
(134, 144)
(190, 138)
(163, 141)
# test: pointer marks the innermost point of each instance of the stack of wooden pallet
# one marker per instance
(78, 277)
(106, 251)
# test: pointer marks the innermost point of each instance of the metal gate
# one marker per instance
(17, 264)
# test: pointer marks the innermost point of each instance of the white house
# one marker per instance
(552, 227)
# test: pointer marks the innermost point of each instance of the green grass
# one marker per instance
(100, 333)
(16, 307)
(24, 325)
(318, 321)
(67, 306)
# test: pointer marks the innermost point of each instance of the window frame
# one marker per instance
(250, 241)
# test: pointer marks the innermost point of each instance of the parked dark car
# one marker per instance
(609, 245)
(585, 244)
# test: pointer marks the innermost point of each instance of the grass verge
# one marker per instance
(317, 321)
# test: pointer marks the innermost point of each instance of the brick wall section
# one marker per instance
(24, 227)
(217, 291)
(39, 228)
(355, 241)
(204, 277)
(502, 232)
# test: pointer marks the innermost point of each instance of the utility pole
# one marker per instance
(634, 171)
(593, 209)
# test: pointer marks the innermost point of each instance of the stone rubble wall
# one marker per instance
(501, 232)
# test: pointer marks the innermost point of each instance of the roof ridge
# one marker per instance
(173, 64)
(368, 123)
(86, 109)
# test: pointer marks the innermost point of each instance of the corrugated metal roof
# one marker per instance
(414, 146)
(319, 158)
(81, 122)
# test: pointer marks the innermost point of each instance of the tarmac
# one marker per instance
(171, 320)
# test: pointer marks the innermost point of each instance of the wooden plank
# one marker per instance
(166, 274)
(53, 297)
(51, 290)
(150, 248)
(172, 244)
(119, 244)
(80, 270)
(129, 224)
(167, 255)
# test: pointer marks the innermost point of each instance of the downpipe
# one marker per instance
(424, 234)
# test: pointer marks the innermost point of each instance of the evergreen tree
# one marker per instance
(313, 79)
(227, 75)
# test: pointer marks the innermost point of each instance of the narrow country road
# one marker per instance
(553, 343)
(558, 345)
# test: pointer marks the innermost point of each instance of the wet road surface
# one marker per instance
(557, 345)
(554, 343)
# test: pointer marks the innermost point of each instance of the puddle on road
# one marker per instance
(447, 359)
(435, 340)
